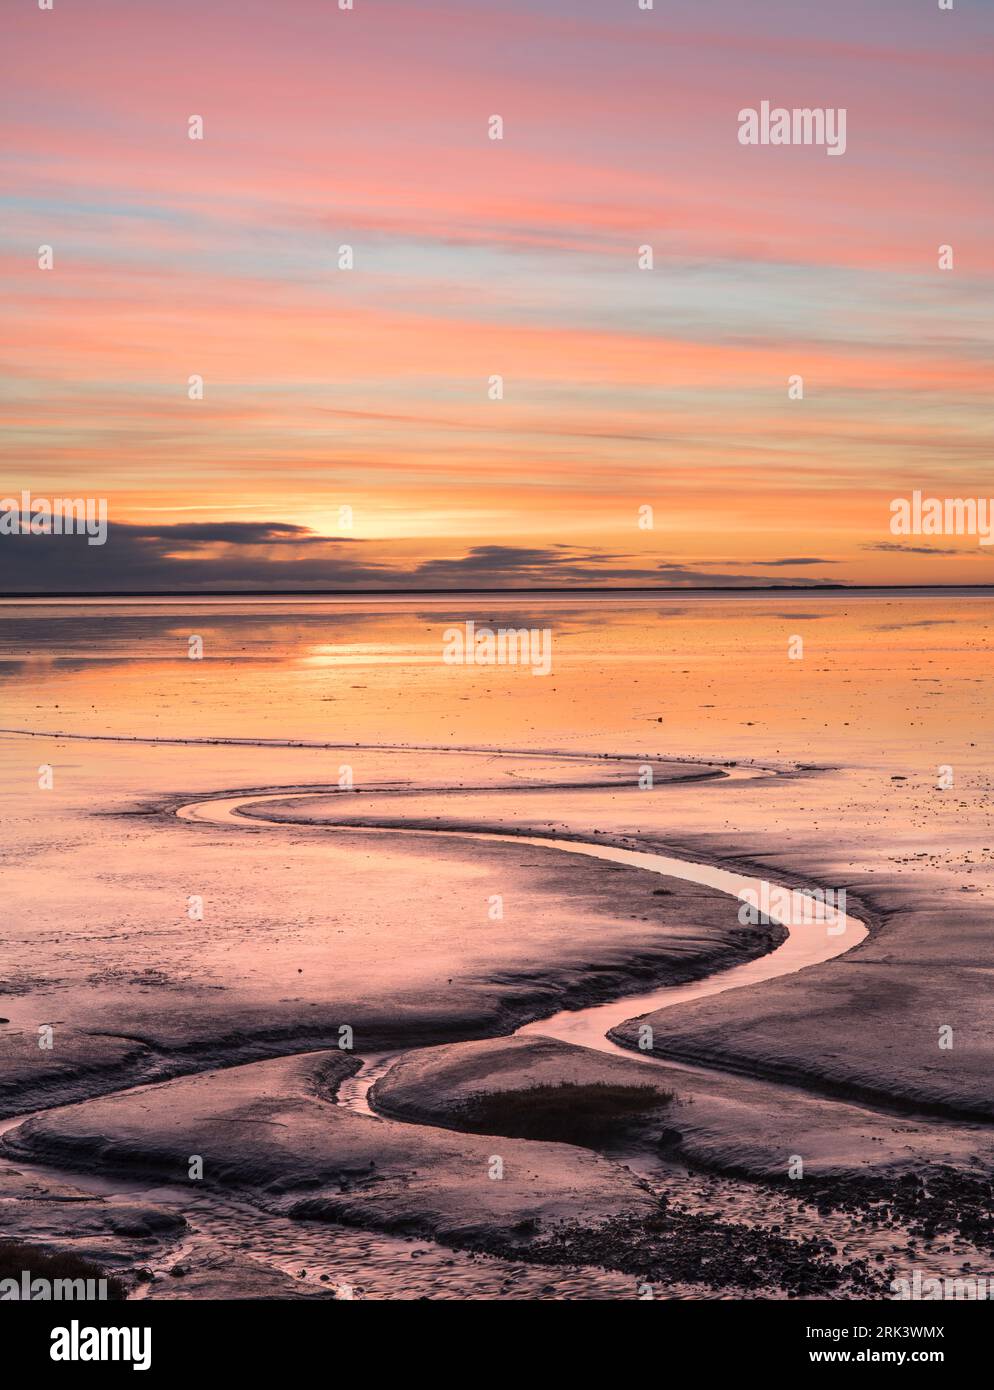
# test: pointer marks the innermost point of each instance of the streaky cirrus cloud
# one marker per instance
(518, 259)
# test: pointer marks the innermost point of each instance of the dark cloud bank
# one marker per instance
(205, 557)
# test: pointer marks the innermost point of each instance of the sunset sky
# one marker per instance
(368, 388)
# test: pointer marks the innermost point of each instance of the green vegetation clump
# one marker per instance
(569, 1113)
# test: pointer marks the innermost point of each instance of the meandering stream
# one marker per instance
(806, 944)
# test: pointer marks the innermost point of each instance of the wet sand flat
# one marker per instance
(375, 880)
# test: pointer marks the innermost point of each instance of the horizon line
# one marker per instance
(809, 589)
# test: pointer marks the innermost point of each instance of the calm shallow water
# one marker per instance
(683, 674)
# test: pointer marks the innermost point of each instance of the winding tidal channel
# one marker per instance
(289, 1244)
(806, 944)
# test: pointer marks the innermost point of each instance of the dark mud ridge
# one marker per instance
(93, 1063)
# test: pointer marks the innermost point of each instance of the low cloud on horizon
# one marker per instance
(207, 556)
